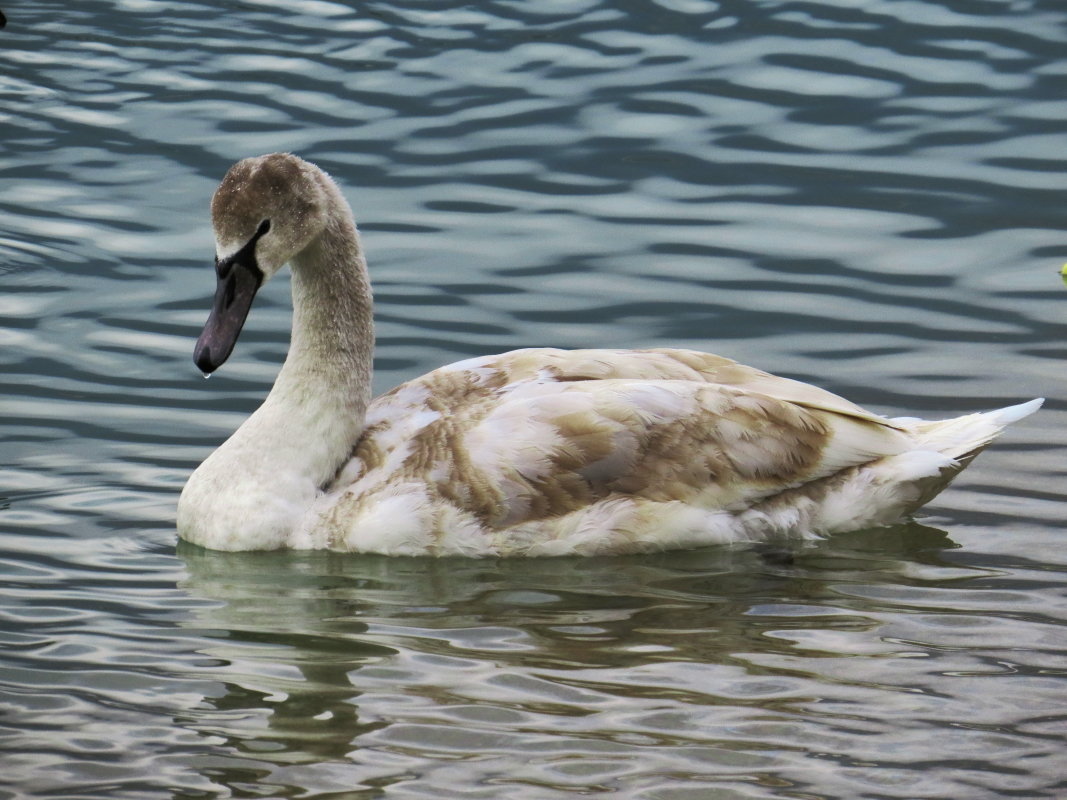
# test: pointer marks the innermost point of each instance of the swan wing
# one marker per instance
(537, 434)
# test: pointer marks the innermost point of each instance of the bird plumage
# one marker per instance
(531, 452)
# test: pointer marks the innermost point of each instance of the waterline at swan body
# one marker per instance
(528, 453)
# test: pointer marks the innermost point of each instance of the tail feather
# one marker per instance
(962, 438)
(1006, 416)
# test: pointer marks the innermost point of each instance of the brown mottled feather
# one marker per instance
(569, 428)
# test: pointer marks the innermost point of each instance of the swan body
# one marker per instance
(527, 453)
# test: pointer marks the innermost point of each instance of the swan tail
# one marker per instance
(959, 440)
(962, 438)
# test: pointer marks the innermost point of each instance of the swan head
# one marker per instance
(266, 211)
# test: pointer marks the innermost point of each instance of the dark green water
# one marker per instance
(866, 195)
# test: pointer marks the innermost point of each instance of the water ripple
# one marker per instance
(867, 196)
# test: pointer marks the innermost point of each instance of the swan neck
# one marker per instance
(331, 352)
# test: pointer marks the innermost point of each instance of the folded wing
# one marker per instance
(536, 434)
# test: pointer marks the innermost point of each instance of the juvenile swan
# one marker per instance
(529, 453)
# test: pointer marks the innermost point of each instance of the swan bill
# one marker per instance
(239, 278)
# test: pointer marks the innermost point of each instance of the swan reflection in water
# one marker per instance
(339, 669)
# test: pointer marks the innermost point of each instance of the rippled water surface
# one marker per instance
(867, 195)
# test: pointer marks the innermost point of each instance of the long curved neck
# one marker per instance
(321, 394)
(332, 345)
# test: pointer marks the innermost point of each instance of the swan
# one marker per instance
(533, 452)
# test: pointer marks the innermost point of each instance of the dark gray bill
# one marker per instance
(239, 278)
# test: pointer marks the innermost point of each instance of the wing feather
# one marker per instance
(533, 434)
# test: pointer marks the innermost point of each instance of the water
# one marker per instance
(865, 195)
